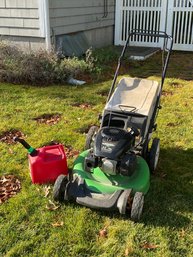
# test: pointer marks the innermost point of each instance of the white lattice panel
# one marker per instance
(141, 15)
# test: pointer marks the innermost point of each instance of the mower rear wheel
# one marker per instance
(59, 188)
(154, 154)
(137, 206)
(90, 137)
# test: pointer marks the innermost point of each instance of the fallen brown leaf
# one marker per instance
(51, 206)
(103, 232)
(9, 186)
(70, 152)
(149, 246)
(47, 191)
(3, 179)
(58, 224)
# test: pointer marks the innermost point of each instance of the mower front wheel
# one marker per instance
(137, 206)
(59, 188)
(90, 137)
(154, 154)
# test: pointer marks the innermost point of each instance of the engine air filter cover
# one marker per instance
(111, 142)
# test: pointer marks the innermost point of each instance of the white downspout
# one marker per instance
(44, 19)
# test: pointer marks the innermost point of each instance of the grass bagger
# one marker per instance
(113, 173)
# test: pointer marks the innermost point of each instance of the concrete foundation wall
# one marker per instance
(100, 37)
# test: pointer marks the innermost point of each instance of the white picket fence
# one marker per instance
(173, 16)
(180, 24)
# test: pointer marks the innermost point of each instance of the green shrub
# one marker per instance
(105, 56)
(38, 68)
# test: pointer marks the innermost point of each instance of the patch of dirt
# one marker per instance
(49, 119)
(9, 186)
(7, 136)
(82, 106)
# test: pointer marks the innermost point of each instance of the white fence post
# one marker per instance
(164, 18)
(169, 17)
(118, 26)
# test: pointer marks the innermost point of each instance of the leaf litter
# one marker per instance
(9, 187)
(49, 119)
(8, 136)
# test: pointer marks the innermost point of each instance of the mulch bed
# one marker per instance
(49, 119)
(8, 136)
(9, 187)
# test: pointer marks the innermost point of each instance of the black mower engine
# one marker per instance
(112, 151)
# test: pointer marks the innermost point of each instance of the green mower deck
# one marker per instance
(99, 182)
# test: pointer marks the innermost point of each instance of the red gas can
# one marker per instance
(48, 164)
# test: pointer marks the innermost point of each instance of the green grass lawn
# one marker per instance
(29, 228)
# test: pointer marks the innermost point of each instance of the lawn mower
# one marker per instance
(113, 173)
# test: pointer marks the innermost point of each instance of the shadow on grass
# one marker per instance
(169, 200)
(180, 66)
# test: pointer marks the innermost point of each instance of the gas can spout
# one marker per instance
(32, 151)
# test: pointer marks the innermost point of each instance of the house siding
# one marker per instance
(19, 18)
(24, 21)
(83, 15)
(79, 15)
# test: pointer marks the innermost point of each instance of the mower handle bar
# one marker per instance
(167, 46)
